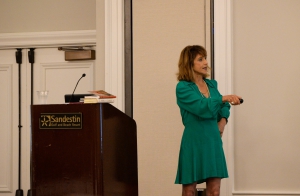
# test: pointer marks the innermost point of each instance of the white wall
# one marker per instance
(100, 54)
(265, 55)
(47, 15)
(161, 29)
(266, 73)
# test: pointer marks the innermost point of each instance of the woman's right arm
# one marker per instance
(190, 100)
(232, 99)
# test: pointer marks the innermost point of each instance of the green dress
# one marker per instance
(201, 153)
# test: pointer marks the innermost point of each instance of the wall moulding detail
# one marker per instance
(6, 133)
(47, 39)
(114, 50)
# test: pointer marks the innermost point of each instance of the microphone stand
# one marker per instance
(19, 192)
(31, 61)
(83, 75)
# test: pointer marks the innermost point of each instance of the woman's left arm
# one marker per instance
(223, 115)
(221, 125)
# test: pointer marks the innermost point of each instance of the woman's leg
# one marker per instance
(213, 186)
(189, 189)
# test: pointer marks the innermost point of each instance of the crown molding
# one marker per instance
(47, 39)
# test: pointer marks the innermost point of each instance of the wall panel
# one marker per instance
(8, 123)
(6, 153)
(53, 73)
(266, 73)
(43, 15)
(161, 29)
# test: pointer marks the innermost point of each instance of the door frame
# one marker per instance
(223, 74)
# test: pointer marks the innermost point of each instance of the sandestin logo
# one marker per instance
(45, 120)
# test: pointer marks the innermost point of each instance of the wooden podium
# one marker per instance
(83, 150)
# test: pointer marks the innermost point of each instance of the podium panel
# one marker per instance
(83, 149)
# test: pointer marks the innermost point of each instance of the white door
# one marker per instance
(8, 122)
(59, 77)
(50, 72)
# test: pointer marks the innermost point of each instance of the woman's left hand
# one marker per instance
(221, 125)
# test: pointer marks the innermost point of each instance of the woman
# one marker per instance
(204, 113)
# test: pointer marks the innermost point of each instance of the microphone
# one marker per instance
(83, 75)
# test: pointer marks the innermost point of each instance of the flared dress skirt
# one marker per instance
(201, 153)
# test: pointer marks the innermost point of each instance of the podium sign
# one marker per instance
(83, 150)
(60, 121)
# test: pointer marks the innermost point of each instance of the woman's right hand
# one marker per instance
(232, 99)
